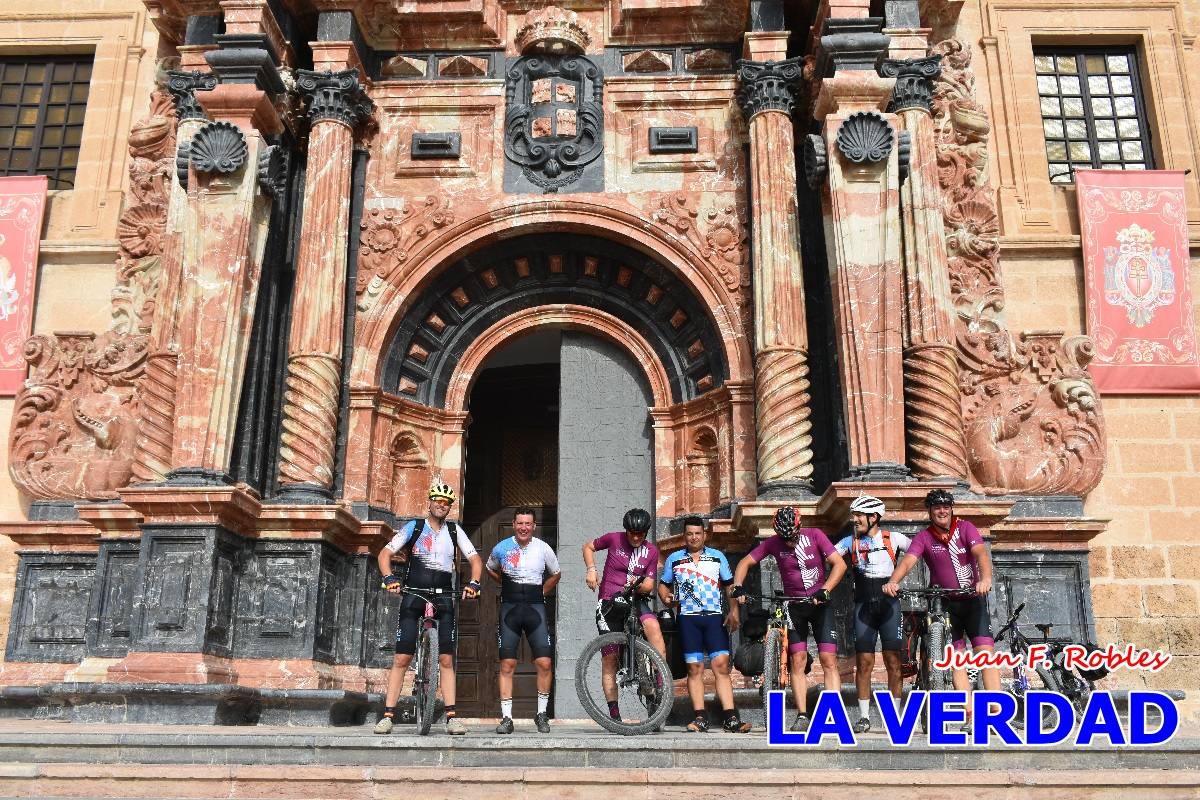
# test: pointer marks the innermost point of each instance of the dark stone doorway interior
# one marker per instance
(511, 461)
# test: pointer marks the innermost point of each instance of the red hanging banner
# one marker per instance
(22, 202)
(1139, 299)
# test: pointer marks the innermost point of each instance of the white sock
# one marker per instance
(543, 703)
(864, 708)
(506, 708)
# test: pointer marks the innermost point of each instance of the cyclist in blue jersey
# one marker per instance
(694, 579)
(520, 565)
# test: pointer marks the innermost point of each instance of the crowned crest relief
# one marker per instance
(1137, 275)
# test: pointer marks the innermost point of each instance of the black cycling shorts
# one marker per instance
(412, 609)
(819, 619)
(970, 616)
(610, 614)
(523, 619)
(878, 619)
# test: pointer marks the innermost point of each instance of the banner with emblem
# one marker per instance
(1135, 263)
(22, 203)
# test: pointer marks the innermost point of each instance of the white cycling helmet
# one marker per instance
(866, 504)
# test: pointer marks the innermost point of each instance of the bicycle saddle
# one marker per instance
(1045, 629)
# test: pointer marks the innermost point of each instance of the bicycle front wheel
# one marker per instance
(644, 694)
(772, 673)
(426, 686)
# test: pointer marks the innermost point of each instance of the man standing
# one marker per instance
(802, 555)
(632, 561)
(694, 579)
(430, 556)
(876, 615)
(519, 564)
(957, 558)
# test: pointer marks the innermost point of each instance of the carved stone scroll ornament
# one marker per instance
(719, 233)
(816, 160)
(74, 423)
(1031, 413)
(914, 81)
(768, 85)
(389, 236)
(183, 87)
(551, 30)
(865, 138)
(336, 96)
(554, 118)
(218, 147)
(273, 170)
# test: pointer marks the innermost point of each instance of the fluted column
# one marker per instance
(932, 406)
(337, 103)
(156, 410)
(767, 97)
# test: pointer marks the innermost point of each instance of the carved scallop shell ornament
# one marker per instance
(218, 147)
(865, 137)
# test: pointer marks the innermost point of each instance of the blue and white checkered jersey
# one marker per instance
(697, 584)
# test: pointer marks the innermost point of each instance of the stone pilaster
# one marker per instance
(767, 94)
(337, 104)
(156, 423)
(933, 408)
(862, 152)
(223, 238)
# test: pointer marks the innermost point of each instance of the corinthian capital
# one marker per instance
(768, 85)
(183, 87)
(335, 96)
(914, 81)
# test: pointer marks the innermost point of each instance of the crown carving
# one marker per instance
(552, 30)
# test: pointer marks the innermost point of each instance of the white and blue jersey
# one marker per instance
(697, 584)
(527, 565)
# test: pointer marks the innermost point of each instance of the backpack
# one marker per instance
(887, 543)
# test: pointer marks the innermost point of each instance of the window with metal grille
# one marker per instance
(42, 101)
(1092, 110)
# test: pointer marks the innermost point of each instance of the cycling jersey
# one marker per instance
(433, 549)
(697, 583)
(624, 565)
(870, 555)
(525, 565)
(951, 565)
(801, 564)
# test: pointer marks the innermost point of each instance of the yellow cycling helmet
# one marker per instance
(441, 491)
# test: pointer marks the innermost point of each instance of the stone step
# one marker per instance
(369, 782)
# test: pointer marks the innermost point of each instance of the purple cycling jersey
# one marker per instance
(802, 563)
(624, 564)
(951, 565)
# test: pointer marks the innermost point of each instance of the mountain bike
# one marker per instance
(932, 632)
(642, 683)
(1057, 677)
(425, 659)
(773, 644)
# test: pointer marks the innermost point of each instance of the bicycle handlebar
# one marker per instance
(937, 591)
(782, 598)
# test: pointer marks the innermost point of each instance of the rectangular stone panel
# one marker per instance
(379, 624)
(50, 607)
(1054, 586)
(111, 609)
(275, 607)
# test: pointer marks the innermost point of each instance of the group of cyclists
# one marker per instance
(698, 583)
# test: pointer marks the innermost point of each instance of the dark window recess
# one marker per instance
(1092, 110)
(436, 145)
(673, 140)
(42, 102)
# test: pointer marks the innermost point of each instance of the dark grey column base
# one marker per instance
(53, 511)
(880, 472)
(198, 476)
(304, 494)
(786, 490)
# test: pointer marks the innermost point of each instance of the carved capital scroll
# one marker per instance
(768, 85)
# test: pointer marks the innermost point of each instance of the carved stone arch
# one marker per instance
(548, 270)
(409, 472)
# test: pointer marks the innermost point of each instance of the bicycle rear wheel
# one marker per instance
(425, 687)
(772, 674)
(644, 696)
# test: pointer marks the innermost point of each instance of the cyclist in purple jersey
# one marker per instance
(957, 558)
(631, 561)
(802, 555)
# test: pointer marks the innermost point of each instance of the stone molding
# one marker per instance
(335, 96)
(914, 81)
(768, 85)
(1031, 413)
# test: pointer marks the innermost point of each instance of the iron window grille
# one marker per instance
(1093, 116)
(42, 103)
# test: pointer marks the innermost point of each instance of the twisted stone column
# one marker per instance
(337, 103)
(767, 97)
(933, 410)
(156, 411)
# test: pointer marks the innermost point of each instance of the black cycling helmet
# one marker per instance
(785, 522)
(637, 520)
(938, 497)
